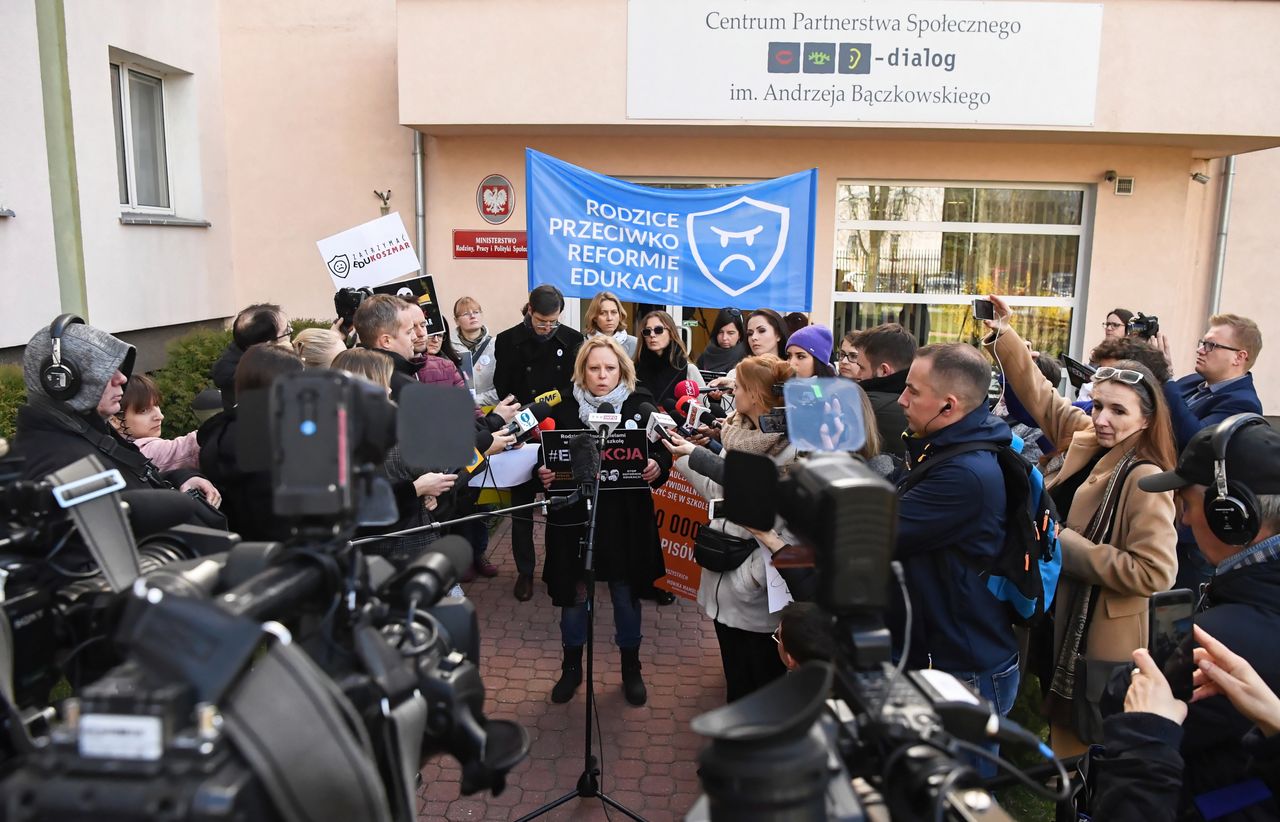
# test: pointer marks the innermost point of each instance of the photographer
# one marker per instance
(259, 323)
(1222, 384)
(737, 599)
(56, 429)
(628, 553)
(533, 357)
(1239, 606)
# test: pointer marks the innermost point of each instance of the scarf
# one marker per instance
(740, 434)
(1098, 531)
(589, 404)
(722, 360)
(472, 345)
(542, 338)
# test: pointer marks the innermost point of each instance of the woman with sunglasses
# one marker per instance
(662, 360)
(728, 343)
(605, 315)
(1118, 542)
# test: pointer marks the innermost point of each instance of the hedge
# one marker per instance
(12, 394)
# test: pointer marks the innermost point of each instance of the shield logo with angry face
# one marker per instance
(737, 246)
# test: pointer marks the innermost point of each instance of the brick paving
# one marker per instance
(650, 754)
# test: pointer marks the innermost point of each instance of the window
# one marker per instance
(919, 253)
(142, 166)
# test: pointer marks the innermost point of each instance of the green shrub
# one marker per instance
(12, 394)
(185, 374)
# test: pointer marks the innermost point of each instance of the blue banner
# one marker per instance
(749, 246)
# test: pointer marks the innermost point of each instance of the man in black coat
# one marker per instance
(259, 323)
(885, 354)
(56, 429)
(1240, 607)
(388, 325)
(533, 357)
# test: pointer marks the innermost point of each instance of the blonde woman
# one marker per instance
(606, 315)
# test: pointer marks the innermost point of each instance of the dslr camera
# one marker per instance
(1143, 326)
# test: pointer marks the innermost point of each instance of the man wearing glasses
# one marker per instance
(1221, 385)
(533, 357)
(259, 323)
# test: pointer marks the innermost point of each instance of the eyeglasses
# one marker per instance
(1123, 375)
(1113, 325)
(476, 313)
(550, 325)
(777, 635)
(1209, 346)
(847, 356)
(288, 334)
(653, 332)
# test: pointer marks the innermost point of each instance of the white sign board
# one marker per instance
(919, 61)
(371, 254)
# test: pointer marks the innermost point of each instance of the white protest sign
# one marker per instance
(900, 61)
(371, 254)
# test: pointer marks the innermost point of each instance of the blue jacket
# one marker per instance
(1237, 398)
(956, 513)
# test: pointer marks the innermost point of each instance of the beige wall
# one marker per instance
(28, 267)
(312, 130)
(1141, 255)
(147, 276)
(1250, 282)
(1163, 66)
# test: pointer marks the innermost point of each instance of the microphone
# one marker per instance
(658, 423)
(549, 424)
(604, 420)
(527, 419)
(687, 388)
(551, 398)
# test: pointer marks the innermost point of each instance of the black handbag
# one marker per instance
(720, 552)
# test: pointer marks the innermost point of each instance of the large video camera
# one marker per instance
(860, 738)
(302, 680)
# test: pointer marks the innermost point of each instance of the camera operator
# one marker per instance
(951, 523)
(535, 356)
(1238, 606)
(883, 357)
(259, 323)
(1222, 384)
(70, 398)
(1139, 773)
(628, 553)
(390, 325)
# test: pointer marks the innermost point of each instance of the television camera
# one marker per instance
(300, 680)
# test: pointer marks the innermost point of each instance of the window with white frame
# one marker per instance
(918, 253)
(137, 99)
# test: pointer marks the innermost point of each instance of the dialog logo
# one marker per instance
(855, 58)
(819, 58)
(340, 265)
(784, 58)
(737, 246)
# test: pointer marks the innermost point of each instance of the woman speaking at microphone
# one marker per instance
(627, 553)
(737, 598)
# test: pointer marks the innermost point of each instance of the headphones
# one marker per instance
(1231, 509)
(60, 378)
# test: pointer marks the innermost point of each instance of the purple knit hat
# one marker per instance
(816, 339)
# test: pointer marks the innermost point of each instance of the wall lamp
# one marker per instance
(1200, 178)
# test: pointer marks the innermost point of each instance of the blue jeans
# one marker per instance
(999, 686)
(626, 619)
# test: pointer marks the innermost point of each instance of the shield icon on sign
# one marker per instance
(737, 246)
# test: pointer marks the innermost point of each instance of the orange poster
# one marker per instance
(679, 513)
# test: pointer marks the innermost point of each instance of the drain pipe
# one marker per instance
(1224, 221)
(419, 201)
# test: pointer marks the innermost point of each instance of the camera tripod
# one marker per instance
(588, 785)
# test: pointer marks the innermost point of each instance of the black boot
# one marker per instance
(570, 675)
(632, 685)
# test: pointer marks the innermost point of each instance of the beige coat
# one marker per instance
(1140, 560)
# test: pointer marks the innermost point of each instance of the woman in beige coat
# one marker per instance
(1107, 578)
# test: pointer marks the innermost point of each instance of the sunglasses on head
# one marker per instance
(653, 332)
(1123, 375)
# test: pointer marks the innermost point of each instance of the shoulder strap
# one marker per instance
(479, 352)
(917, 472)
(110, 447)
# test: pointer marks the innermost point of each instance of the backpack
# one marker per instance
(1025, 574)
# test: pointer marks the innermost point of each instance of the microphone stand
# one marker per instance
(435, 526)
(588, 786)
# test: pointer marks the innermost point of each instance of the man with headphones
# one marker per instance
(951, 525)
(75, 376)
(1228, 485)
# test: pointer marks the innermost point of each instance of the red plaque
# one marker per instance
(490, 245)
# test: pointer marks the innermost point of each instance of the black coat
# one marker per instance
(246, 495)
(891, 421)
(655, 373)
(527, 366)
(223, 373)
(627, 546)
(403, 372)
